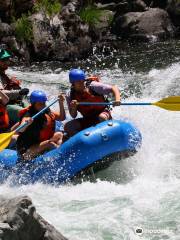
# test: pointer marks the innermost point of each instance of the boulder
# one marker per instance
(70, 6)
(122, 6)
(19, 220)
(22, 6)
(129, 6)
(109, 6)
(5, 5)
(156, 3)
(154, 23)
(5, 30)
(173, 9)
(139, 6)
(102, 27)
(78, 39)
(42, 35)
(5, 8)
(59, 38)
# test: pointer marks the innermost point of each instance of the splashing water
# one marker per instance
(135, 198)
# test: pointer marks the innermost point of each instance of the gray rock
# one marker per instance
(104, 20)
(4, 5)
(103, 26)
(19, 220)
(22, 6)
(123, 6)
(42, 36)
(70, 6)
(9, 8)
(61, 37)
(57, 29)
(144, 25)
(139, 5)
(5, 9)
(129, 6)
(5, 30)
(156, 3)
(109, 6)
(173, 9)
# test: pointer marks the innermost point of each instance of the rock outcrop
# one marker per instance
(60, 38)
(173, 9)
(19, 220)
(66, 36)
(144, 25)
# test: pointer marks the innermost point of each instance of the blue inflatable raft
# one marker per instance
(83, 150)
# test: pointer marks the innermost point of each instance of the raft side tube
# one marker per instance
(79, 152)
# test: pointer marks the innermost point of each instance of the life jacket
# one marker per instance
(8, 83)
(88, 96)
(41, 129)
(4, 118)
(93, 78)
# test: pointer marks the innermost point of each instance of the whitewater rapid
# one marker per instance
(141, 192)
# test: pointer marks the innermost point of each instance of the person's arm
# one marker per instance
(72, 105)
(3, 98)
(27, 120)
(62, 115)
(73, 108)
(15, 126)
(15, 94)
(117, 95)
(105, 89)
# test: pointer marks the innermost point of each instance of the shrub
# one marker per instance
(23, 28)
(91, 15)
(50, 7)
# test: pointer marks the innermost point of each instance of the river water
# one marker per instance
(135, 198)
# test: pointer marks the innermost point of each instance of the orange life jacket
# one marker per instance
(88, 96)
(93, 78)
(4, 118)
(47, 130)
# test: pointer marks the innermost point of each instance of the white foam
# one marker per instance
(149, 197)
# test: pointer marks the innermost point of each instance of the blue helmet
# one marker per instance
(38, 96)
(76, 75)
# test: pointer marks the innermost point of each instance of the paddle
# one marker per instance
(170, 103)
(5, 138)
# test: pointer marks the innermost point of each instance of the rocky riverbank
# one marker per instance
(19, 220)
(66, 30)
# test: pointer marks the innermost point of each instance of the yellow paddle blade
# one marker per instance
(5, 139)
(170, 103)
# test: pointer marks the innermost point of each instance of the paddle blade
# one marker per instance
(5, 139)
(171, 103)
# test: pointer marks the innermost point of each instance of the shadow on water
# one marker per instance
(111, 168)
(129, 57)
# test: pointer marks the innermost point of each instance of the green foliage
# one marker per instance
(50, 7)
(23, 28)
(91, 15)
(111, 17)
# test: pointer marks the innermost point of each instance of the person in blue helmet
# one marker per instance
(89, 89)
(39, 135)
